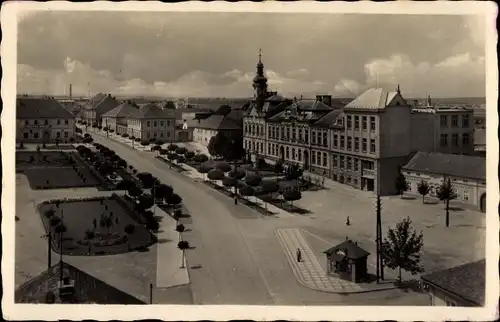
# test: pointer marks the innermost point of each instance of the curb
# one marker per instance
(301, 281)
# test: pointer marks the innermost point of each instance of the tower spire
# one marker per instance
(398, 90)
(260, 55)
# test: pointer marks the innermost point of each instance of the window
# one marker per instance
(168, 134)
(155, 124)
(168, 122)
(161, 134)
(148, 123)
(365, 123)
(269, 149)
(313, 137)
(465, 121)
(58, 122)
(35, 135)
(58, 135)
(349, 143)
(66, 121)
(372, 123)
(465, 139)
(342, 141)
(155, 134)
(293, 154)
(25, 135)
(46, 122)
(372, 145)
(349, 163)
(325, 160)
(349, 122)
(335, 138)
(355, 162)
(356, 122)
(454, 139)
(356, 144)
(287, 152)
(294, 134)
(35, 122)
(288, 133)
(335, 160)
(66, 134)
(162, 123)
(313, 157)
(26, 122)
(443, 120)
(444, 140)
(454, 121)
(299, 155)
(148, 134)
(466, 195)
(282, 133)
(325, 139)
(341, 162)
(300, 134)
(365, 145)
(306, 136)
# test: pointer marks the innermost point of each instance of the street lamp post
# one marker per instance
(61, 233)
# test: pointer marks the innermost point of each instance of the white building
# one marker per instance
(467, 175)
(152, 121)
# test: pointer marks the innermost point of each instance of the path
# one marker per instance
(168, 263)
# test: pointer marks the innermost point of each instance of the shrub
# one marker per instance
(124, 135)
(163, 151)
(189, 155)
(172, 156)
(159, 142)
(215, 174)
(152, 225)
(174, 199)
(247, 191)
(181, 159)
(86, 135)
(137, 139)
(181, 150)
(205, 167)
(111, 130)
(144, 143)
(152, 140)
(71, 139)
(229, 182)
(200, 158)
(172, 147)
(253, 180)
(238, 173)
(223, 166)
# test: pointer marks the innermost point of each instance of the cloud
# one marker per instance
(458, 75)
(194, 83)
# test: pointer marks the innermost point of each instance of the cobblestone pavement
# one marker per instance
(309, 271)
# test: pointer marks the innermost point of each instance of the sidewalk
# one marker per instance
(309, 271)
(168, 264)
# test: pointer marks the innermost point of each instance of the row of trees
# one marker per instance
(445, 192)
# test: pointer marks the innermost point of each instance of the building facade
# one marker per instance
(226, 121)
(43, 120)
(116, 119)
(98, 105)
(150, 122)
(467, 175)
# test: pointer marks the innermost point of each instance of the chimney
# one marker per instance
(70, 91)
(319, 98)
(327, 99)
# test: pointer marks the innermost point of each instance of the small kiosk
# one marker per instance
(347, 261)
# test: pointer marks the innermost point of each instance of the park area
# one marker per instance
(96, 226)
(55, 169)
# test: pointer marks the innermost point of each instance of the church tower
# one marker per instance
(260, 84)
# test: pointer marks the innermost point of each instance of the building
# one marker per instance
(43, 120)
(225, 120)
(448, 129)
(467, 175)
(78, 287)
(480, 142)
(462, 285)
(150, 122)
(97, 106)
(116, 119)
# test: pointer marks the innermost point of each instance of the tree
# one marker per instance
(253, 180)
(124, 185)
(215, 174)
(162, 191)
(180, 159)
(169, 105)
(146, 178)
(145, 201)
(172, 156)
(200, 158)
(88, 140)
(292, 195)
(163, 151)
(401, 184)
(129, 230)
(293, 172)
(180, 150)
(190, 155)
(217, 144)
(247, 191)
(423, 189)
(401, 248)
(180, 229)
(159, 142)
(446, 193)
(106, 222)
(89, 235)
(269, 187)
(183, 246)
(237, 173)
(278, 168)
(223, 166)
(134, 191)
(174, 199)
(172, 147)
(205, 168)
(229, 182)
(144, 143)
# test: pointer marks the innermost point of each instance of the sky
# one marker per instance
(193, 54)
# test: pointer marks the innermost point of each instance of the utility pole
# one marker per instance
(380, 262)
(49, 255)
(61, 247)
(377, 237)
(150, 293)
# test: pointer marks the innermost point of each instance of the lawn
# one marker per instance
(53, 170)
(80, 216)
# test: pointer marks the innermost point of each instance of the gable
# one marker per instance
(395, 99)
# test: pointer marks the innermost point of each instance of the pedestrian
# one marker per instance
(348, 221)
(299, 255)
(235, 200)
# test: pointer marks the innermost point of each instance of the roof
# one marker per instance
(351, 250)
(152, 111)
(463, 166)
(122, 110)
(330, 118)
(27, 108)
(467, 281)
(480, 137)
(312, 105)
(373, 98)
(88, 288)
(102, 103)
(217, 122)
